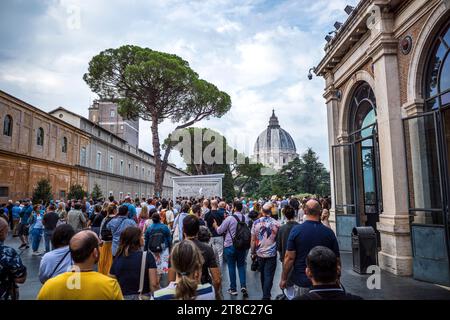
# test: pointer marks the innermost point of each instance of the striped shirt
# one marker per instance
(204, 292)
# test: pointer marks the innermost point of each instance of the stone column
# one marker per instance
(332, 120)
(395, 255)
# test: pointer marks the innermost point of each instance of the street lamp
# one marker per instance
(310, 76)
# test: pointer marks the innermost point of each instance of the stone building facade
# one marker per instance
(69, 149)
(119, 168)
(387, 73)
(106, 115)
(34, 145)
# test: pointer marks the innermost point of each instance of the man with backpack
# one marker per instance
(166, 214)
(158, 242)
(236, 246)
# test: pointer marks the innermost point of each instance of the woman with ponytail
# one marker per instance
(187, 261)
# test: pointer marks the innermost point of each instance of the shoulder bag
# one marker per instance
(142, 277)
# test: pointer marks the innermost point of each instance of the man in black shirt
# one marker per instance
(323, 270)
(10, 217)
(216, 239)
(210, 270)
(49, 221)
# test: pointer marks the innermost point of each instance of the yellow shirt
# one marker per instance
(81, 286)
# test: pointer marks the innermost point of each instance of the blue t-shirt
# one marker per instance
(26, 213)
(131, 210)
(117, 225)
(16, 212)
(302, 239)
(127, 270)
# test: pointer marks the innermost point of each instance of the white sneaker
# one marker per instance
(36, 253)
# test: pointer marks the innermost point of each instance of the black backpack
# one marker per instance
(156, 242)
(105, 233)
(243, 236)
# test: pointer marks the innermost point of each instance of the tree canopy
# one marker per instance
(216, 156)
(96, 192)
(155, 86)
(302, 175)
(42, 192)
(76, 192)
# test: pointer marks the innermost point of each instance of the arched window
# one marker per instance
(40, 137)
(7, 126)
(64, 145)
(363, 110)
(437, 83)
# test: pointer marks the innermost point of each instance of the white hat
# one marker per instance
(267, 206)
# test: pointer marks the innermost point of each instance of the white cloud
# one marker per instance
(257, 51)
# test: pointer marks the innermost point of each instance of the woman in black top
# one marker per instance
(97, 219)
(126, 267)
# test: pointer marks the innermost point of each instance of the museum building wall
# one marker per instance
(23, 161)
(372, 48)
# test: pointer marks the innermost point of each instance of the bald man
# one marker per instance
(82, 283)
(302, 239)
(12, 270)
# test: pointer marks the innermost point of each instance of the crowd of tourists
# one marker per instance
(158, 249)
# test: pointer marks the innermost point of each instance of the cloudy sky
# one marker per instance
(257, 51)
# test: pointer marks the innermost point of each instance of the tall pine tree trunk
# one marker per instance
(159, 174)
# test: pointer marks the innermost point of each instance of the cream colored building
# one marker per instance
(68, 149)
(119, 168)
(274, 147)
(387, 73)
(33, 146)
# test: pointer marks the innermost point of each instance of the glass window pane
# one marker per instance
(434, 65)
(432, 104)
(422, 161)
(344, 210)
(445, 99)
(427, 217)
(447, 37)
(368, 171)
(343, 176)
(444, 82)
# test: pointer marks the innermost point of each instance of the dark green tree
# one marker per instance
(246, 173)
(96, 192)
(227, 185)
(76, 192)
(287, 180)
(314, 177)
(301, 175)
(196, 163)
(42, 192)
(155, 86)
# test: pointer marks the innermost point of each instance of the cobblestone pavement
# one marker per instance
(392, 287)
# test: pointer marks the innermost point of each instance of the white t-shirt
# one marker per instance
(138, 211)
(169, 216)
(204, 292)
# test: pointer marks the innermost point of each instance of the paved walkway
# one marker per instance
(392, 287)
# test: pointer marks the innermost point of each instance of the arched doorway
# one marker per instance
(427, 140)
(356, 168)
